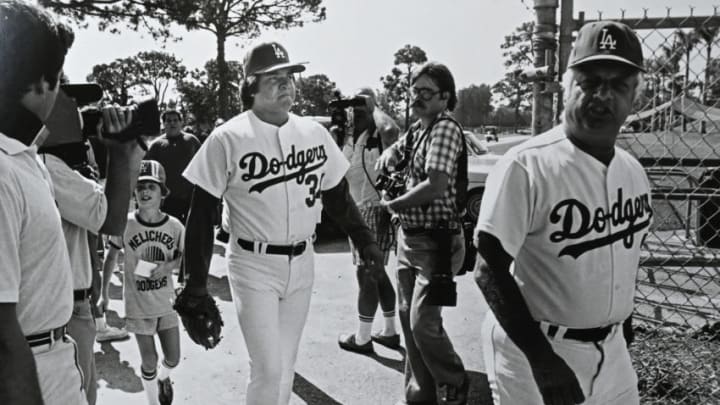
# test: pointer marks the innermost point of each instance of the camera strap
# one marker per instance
(461, 182)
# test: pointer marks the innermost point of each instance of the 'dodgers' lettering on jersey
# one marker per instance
(298, 163)
(576, 220)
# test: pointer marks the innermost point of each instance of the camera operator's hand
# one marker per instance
(374, 260)
(387, 161)
(116, 119)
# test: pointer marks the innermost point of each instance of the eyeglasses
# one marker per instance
(423, 93)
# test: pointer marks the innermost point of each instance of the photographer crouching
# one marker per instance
(430, 241)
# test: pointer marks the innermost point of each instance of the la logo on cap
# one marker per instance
(607, 41)
(278, 52)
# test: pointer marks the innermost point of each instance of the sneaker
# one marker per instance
(390, 341)
(111, 333)
(347, 342)
(165, 391)
(453, 395)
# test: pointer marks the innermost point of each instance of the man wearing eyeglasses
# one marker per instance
(430, 240)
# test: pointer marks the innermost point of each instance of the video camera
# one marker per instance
(339, 114)
(145, 117)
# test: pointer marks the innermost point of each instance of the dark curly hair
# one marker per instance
(33, 45)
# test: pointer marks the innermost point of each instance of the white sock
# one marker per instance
(100, 323)
(149, 382)
(389, 325)
(364, 330)
(165, 370)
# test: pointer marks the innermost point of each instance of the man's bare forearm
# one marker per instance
(18, 374)
(199, 240)
(123, 168)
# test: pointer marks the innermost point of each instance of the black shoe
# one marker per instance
(454, 395)
(391, 342)
(165, 391)
(347, 342)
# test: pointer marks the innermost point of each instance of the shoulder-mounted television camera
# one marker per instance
(145, 117)
(339, 114)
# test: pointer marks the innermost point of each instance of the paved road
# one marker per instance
(325, 374)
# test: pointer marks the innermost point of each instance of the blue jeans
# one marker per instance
(431, 359)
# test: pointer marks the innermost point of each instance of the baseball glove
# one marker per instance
(201, 318)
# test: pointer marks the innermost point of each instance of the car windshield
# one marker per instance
(475, 146)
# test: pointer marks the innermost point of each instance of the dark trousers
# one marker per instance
(431, 359)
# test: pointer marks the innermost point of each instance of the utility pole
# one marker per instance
(544, 44)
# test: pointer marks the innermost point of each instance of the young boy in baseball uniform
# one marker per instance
(153, 246)
(560, 230)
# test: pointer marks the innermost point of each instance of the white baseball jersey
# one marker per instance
(269, 177)
(152, 242)
(573, 225)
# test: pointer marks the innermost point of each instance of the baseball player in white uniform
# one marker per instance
(560, 230)
(274, 171)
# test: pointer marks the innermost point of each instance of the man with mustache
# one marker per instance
(430, 239)
(558, 288)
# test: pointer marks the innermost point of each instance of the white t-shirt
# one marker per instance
(361, 175)
(573, 225)
(159, 242)
(34, 267)
(83, 208)
(269, 177)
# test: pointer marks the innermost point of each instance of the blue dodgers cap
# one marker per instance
(268, 57)
(607, 40)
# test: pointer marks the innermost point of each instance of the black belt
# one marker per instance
(581, 335)
(80, 295)
(454, 227)
(46, 338)
(285, 250)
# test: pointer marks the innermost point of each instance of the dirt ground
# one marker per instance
(325, 374)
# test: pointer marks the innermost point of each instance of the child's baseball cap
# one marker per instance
(152, 170)
(607, 40)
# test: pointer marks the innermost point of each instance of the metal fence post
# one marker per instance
(544, 45)
(566, 40)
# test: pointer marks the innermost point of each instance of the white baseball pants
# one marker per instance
(272, 297)
(605, 373)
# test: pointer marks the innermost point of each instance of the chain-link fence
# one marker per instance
(675, 133)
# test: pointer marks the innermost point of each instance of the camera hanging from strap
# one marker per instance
(461, 181)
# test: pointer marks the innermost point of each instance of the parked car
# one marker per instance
(482, 156)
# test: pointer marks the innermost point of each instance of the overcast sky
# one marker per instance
(354, 46)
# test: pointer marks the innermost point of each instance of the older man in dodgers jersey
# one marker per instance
(560, 229)
(272, 169)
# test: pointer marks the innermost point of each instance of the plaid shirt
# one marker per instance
(437, 150)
